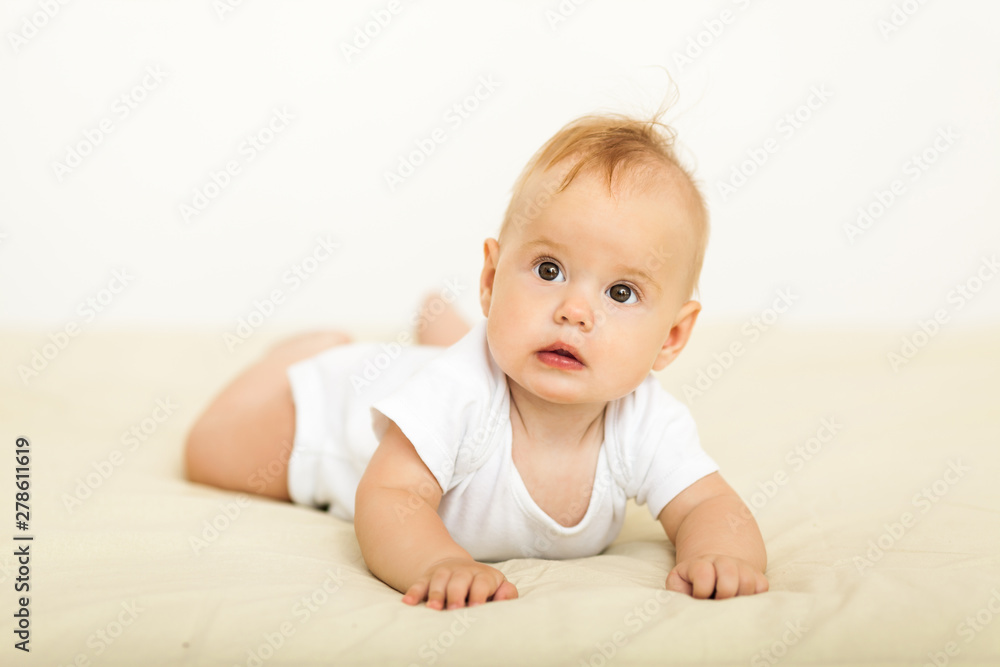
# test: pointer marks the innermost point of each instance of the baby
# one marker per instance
(526, 434)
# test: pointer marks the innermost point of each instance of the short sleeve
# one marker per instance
(440, 406)
(659, 446)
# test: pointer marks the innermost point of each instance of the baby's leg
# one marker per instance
(243, 440)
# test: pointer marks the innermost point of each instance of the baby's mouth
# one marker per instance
(561, 355)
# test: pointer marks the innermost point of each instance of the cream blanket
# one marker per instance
(876, 491)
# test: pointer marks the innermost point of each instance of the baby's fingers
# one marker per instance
(482, 587)
(737, 578)
(458, 589)
(761, 584)
(701, 574)
(677, 582)
(437, 588)
(506, 591)
(729, 579)
(695, 578)
(416, 592)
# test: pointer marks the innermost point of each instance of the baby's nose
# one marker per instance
(575, 310)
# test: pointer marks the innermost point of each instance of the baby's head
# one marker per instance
(600, 249)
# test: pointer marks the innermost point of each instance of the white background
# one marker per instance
(225, 73)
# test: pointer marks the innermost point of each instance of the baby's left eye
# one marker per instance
(622, 294)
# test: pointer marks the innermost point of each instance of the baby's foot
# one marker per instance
(307, 344)
(439, 323)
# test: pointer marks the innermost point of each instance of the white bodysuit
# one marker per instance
(454, 406)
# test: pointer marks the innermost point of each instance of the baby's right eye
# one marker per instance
(548, 271)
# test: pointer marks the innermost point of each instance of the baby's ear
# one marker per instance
(679, 335)
(491, 255)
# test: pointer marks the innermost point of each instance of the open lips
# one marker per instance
(564, 350)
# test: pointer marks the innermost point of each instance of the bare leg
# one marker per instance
(444, 325)
(243, 440)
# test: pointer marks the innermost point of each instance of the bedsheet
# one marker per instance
(874, 482)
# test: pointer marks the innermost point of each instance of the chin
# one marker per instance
(555, 392)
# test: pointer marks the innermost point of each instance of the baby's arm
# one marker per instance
(403, 540)
(719, 547)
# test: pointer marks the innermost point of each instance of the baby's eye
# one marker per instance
(548, 271)
(622, 293)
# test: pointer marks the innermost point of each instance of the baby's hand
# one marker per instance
(724, 575)
(453, 579)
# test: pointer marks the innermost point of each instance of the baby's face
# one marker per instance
(607, 277)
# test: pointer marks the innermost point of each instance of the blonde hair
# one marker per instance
(636, 150)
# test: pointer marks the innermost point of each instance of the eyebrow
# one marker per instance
(625, 269)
